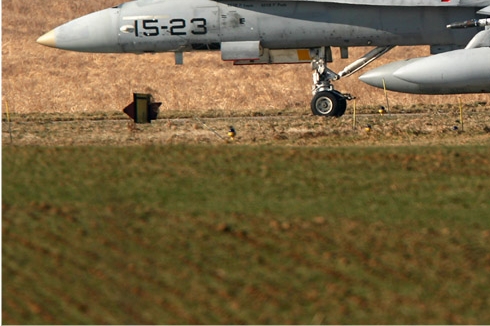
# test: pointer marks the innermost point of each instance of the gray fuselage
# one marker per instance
(186, 25)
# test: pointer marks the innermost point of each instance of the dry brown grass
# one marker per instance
(45, 80)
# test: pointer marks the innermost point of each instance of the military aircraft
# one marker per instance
(274, 31)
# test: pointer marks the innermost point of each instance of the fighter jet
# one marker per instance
(454, 72)
(251, 32)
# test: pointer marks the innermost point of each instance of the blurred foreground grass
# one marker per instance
(246, 234)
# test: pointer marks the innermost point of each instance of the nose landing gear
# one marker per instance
(326, 100)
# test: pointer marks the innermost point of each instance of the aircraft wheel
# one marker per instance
(342, 107)
(325, 104)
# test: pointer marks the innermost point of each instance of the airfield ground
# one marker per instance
(438, 125)
(298, 220)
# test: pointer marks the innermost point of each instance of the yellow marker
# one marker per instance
(354, 116)
(386, 94)
(382, 110)
(461, 114)
(8, 120)
(232, 133)
(368, 128)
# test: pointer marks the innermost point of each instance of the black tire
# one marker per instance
(342, 106)
(325, 104)
(328, 104)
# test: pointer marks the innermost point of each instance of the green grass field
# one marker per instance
(223, 234)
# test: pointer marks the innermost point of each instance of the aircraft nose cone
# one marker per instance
(47, 39)
(95, 32)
